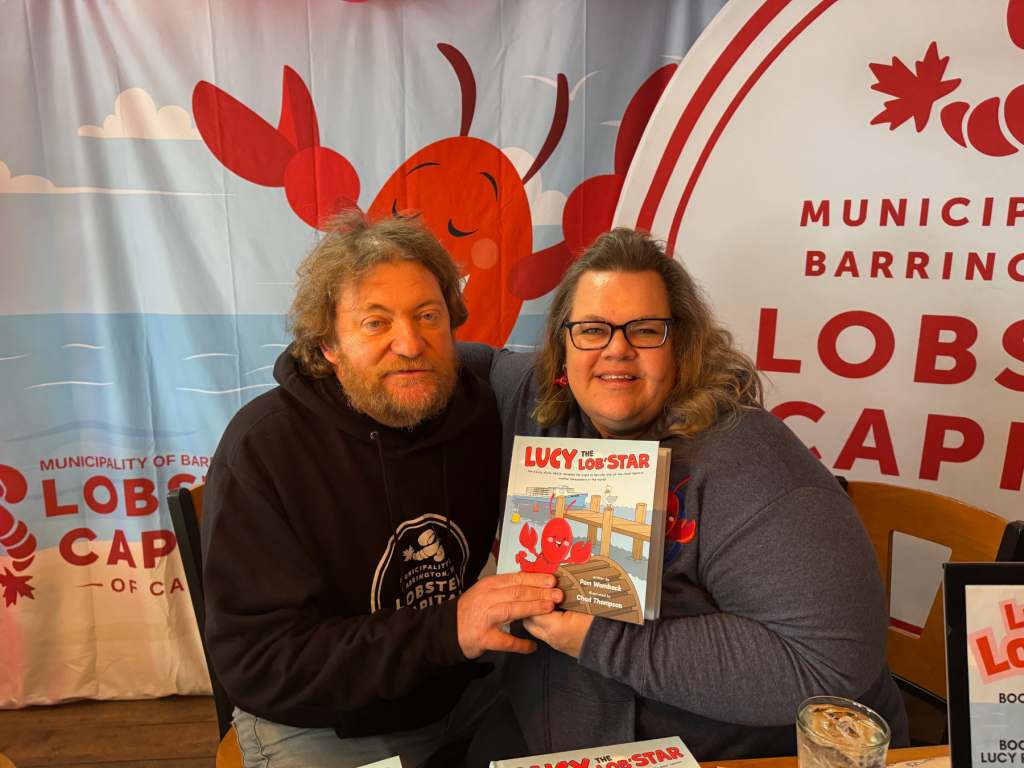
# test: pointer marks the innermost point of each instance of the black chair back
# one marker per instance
(186, 512)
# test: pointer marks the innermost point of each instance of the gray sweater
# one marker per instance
(777, 598)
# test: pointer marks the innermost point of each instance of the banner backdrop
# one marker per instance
(163, 168)
(844, 177)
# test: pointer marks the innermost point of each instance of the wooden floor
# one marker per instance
(176, 732)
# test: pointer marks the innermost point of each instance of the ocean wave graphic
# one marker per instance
(102, 426)
(257, 370)
(225, 391)
(13, 357)
(210, 354)
(81, 345)
(70, 383)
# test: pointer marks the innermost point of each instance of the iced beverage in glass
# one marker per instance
(833, 732)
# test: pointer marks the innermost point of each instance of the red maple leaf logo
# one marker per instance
(916, 92)
(14, 587)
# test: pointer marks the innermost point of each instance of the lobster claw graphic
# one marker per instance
(317, 181)
(528, 537)
(590, 207)
(580, 552)
(15, 537)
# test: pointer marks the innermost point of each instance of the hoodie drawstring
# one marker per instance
(376, 440)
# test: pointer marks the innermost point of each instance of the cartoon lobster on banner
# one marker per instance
(15, 537)
(917, 92)
(556, 547)
(465, 189)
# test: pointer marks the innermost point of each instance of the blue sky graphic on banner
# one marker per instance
(151, 229)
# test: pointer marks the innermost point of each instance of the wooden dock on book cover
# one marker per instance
(576, 581)
(607, 523)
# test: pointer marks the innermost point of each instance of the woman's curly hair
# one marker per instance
(352, 247)
(716, 381)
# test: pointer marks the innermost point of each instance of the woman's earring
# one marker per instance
(563, 380)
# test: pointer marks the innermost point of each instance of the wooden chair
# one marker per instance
(186, 513)
(972, 534)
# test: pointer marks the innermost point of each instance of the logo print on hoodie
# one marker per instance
(423, 564)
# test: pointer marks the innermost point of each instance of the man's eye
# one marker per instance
(593, 330)
(374, 324)
(433, 316)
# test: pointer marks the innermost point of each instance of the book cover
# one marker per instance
(665, 753)
(592, 512)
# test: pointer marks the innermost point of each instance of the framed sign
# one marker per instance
(984, 608)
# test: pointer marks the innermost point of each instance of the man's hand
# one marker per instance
(563, 630)
(497, 600)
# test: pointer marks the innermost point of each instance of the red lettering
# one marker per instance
(119, 550)
(880, 263)
(988, 660)
(974, 264)
(847, 264)
(156, 544)
(1010, 611)
(68, 552)
(179, 480)
(947, 209)
(1013, 463)
(817, 215)
(1013, 343)
(897, 213)
(140, 496)
(935, 451)
(1014, 268)
(814, 264)
(872, 421)
(885, 344)
(92, 485)
(930, 348)
(52, 505)
(862, 213)
(766, 360)
(1015, 651)
(1016, 210)
(917, 261)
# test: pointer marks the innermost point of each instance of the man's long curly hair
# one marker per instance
(716, 381)
(350, 249)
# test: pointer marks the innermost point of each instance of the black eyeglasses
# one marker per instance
(643, 333)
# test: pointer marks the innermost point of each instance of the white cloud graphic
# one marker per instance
(545, 204)
(27, 184)
(136, 117)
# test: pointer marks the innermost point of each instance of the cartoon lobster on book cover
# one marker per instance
(465, 189)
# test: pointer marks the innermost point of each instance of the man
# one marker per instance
(349, 511)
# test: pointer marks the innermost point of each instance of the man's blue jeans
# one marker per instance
(266, 744)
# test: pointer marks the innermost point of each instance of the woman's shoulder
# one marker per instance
(757, 448)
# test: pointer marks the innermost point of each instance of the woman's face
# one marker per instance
(622, 389)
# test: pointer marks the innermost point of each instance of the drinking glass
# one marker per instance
(833, 732)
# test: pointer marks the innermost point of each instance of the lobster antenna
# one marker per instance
(466, 83)
(558, 121)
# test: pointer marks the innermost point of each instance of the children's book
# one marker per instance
(654, 753)
(592, 512)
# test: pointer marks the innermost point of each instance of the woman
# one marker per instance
(778, 595)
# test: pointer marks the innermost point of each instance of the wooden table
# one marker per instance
(895, 756)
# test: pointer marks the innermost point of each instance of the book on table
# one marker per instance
(592, 512)
(669, 752)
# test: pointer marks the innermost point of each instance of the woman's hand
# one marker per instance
(562, 630)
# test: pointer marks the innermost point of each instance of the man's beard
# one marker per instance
(367, 392)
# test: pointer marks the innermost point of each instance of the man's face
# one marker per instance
(394, 355)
